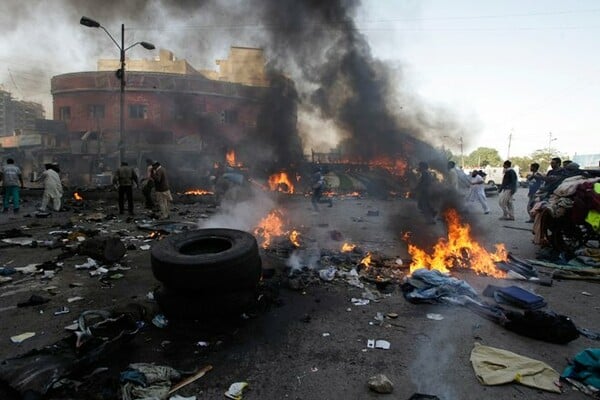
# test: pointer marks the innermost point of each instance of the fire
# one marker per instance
(281, 182)
(197, 192)
(77, 196)
(393, 166)
(270, 227)
(295, 238)
(459, 249)
(366, 261)
(348, 247)
(230, 158)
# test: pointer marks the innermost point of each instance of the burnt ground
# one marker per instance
(303, 341)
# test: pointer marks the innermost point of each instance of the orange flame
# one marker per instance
(269, 227)
(295, 238)
(77, 196)
(348, 247)
(366, 261)
(281, 182)
(230, 158)
(197, 192)
(459, 249)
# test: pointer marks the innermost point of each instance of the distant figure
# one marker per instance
(124, 177)
(12, 182)
(477, 192)
(534, 181)
(53, 189)
(148, 185)
(507, 190)
(318, 186)
(422, 192)
(161, 185)
(452, 175)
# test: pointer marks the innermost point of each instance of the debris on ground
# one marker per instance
(380, 384)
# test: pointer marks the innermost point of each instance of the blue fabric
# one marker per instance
(11, 191)
(434, 285)
(585, 368)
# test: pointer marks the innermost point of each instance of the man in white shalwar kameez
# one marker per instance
(53, 189)
(477, 192)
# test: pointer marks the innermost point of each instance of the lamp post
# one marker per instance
(550, 140)
(90, 23)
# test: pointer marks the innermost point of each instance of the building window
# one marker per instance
(96, 111)
(229, 117)
(64, 113)
(138, 111)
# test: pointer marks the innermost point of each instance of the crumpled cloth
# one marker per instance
(585, 368)
(432, 286)
(158, 382)
(569, 185)
(495, 366)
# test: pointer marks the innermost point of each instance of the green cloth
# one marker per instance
(495, 366)
(585, 368)
(593, 218)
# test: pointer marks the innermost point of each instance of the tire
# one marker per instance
(210, 260)
(181, 305)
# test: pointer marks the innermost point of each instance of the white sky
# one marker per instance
(530, 67)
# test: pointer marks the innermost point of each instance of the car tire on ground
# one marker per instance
(208, 260)
(182, 305)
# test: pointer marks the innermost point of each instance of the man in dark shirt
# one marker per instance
(125, 177)
(507, 190)
(534, 181)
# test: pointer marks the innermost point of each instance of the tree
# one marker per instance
(543, 157)
(482, 157)
(523, 163)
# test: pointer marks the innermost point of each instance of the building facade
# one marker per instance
(169, 107)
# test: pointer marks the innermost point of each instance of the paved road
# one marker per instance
(311, 344)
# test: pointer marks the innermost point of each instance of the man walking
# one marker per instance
(477, 192)
(12, 182)
(318, 186)
(161, 185)
(507, 190)
(124, 178)
(53, 189)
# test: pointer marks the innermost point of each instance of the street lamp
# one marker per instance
(90, 23)
(550, 140)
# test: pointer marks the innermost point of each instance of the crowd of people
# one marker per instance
(154, 185)
(565, 197)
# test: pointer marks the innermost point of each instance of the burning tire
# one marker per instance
(182, 305)
(208, 260)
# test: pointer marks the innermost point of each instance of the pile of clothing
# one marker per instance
(575, 201)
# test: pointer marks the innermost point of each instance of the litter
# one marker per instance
(61, 311)
(327, 274)
(160, 321)
(359, 302)
(191, 379)
(87, 265)
(435, 317)
(22, 337)
(74, 299)
(380, 384)
(235, 390)
(145, 247)
(378, 344)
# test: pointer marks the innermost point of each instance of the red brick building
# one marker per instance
(169, 108)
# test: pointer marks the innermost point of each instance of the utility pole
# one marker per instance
(550, 140)
(509, 142)
(462, 156)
